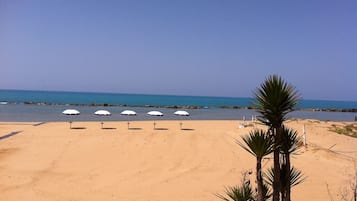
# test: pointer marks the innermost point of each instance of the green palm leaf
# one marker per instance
(258, 143)
(237, 193)
(274, 99)
(291, 142)
(295, 177)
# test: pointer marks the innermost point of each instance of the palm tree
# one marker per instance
(290, 144)
(274, 100)
(238, 193)
(259, 144)
(293, 177)
(244, 192)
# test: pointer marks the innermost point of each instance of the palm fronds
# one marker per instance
(290, 142)
(274, 99)
(258, 143)
(295, 177)
(237, 193)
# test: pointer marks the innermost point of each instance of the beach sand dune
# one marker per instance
(52, 162)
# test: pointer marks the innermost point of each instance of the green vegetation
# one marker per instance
(244, 192)
(259, 144)
(349, 129)
(274, 100)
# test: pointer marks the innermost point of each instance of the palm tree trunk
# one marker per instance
(287, 172)
(276, 182)
(260, 180)
(283, 195)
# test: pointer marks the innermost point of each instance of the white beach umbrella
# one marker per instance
(71, 112)
(128, 113)
(102, 113)
(181, 113)
(155, 113)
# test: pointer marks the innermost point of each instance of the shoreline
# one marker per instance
(189, 107)
(238, 121)
(26, 113)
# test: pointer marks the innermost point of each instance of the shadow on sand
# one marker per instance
(187, 129)
(161, 129)
(78, 128)
(135, 129)
(108, 128)
(9, 135)
(39, 124)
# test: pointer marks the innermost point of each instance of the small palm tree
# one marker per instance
(291, 141)
(244, 192)
(275, 98)
(293, 178)
(259, 144)
(290, 144)
(238, 193)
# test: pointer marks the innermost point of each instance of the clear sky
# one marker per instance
(182, 47)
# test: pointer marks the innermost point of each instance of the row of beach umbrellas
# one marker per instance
(125, 112)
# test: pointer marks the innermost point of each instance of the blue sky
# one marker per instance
(193, 47)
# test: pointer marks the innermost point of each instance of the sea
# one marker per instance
(46, 106)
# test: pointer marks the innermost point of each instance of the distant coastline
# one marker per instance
(59, 98)
(190, 107)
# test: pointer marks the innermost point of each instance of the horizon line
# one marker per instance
(150, 94)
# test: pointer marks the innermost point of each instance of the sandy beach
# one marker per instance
(51, 162)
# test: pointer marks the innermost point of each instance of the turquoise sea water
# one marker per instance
(117, 99)
(51, 97)
(49, 105)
